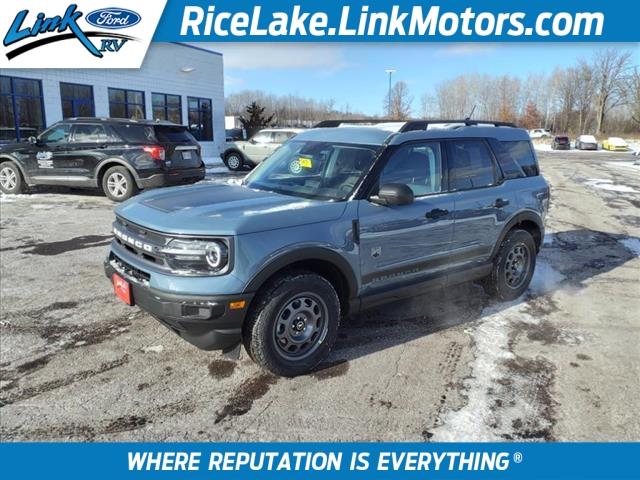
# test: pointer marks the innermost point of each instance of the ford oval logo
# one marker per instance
(113, 18)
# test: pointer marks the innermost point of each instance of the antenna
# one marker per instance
(471, 114)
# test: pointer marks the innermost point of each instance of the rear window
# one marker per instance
(135, 133)
(174, 135)
(522, 154)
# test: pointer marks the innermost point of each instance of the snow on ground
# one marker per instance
(604, 184)
(491, 337)
(633, 165)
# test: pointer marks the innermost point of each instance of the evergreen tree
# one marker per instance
(255, 119)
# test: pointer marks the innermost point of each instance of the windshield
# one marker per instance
(316, 170)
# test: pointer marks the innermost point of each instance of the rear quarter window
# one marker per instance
(174, 135)
(135, 133)
(522, 153)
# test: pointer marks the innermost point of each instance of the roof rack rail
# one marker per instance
(412, 125)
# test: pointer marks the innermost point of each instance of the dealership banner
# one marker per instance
(116, 34)
(317, 461)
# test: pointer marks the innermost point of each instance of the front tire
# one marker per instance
(118, 184)
(234, 161)
(513, 266)
(293, 324)
(11, 181)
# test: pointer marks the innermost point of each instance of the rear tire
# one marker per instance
(11, 181)
(234, 161)
(118, 184)
(513, 266)
(293, 324)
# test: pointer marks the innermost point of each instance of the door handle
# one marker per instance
(500, 202)
(437, 213)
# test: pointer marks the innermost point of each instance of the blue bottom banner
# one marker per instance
(319, 460)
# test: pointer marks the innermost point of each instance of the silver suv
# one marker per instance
(251, 152)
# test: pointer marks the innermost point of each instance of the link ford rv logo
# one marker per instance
(113, 18)
(27, 27)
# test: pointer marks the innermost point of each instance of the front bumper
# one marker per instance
(172, 177)
(207, 322)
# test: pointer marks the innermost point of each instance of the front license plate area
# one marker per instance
(122, 289)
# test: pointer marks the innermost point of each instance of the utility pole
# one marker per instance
(390, 71)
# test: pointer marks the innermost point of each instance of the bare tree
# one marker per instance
(401, 100)
(634, 95)
(428, 106)
(611, 68)
(288, 110)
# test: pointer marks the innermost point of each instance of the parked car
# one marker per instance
(539, 133)
(275, 262)
(615, 144)
(586, 142)
(117, 155)
(561, 142)
(250, 153)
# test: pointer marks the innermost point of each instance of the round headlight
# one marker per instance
(214, 255)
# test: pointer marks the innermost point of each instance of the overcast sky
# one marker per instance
(354, 74)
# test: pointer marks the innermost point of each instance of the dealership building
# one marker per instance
(177, 82)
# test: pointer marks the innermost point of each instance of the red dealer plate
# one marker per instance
(122, 289)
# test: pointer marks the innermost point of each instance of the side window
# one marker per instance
(470, 165)
(263, 137)
(418, 166)
(281, 137)
(90, 134)
(57, 134)
(522, 154)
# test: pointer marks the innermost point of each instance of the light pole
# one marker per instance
(390, 71)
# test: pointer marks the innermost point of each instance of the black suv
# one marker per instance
(118, 155)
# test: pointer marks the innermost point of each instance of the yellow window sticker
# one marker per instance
(305, 162)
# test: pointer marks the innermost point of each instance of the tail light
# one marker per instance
(156, 152)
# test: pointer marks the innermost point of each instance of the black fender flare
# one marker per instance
(526, 216)
(9, 158)
(300, 254)
(103, 165)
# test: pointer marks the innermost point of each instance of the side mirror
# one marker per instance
(391, 194)
(252, 141)
(32, 140)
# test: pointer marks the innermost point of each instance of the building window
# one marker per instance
(200, 119)
(21, 108)
(77, 100)
(126, 103)
(167, 107)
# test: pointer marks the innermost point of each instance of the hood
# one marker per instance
(224, 210)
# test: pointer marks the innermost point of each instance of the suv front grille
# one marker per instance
(128, 269)
(144, 244)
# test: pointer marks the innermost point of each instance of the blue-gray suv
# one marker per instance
(369, 215)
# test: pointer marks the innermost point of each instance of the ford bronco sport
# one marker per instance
(373, 216)
(117, 155)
